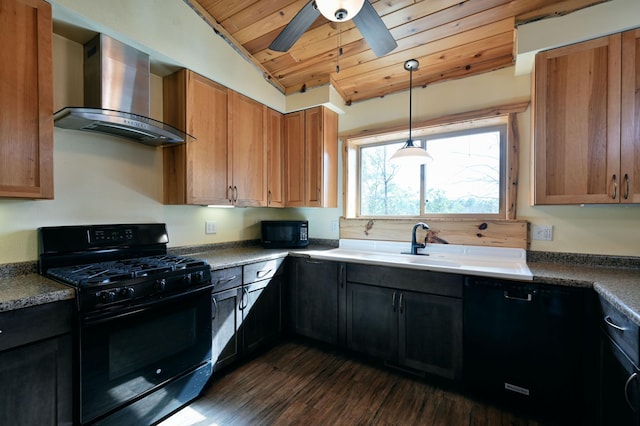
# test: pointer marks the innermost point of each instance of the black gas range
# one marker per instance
(143, 330)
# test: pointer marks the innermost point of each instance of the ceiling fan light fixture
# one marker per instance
(339, 10)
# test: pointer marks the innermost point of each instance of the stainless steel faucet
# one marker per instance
(414, 244)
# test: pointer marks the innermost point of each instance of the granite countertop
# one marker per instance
(619, 285)
(31, 289)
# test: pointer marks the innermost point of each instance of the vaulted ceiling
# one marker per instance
(450, 38)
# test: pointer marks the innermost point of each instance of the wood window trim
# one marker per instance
(503, 114)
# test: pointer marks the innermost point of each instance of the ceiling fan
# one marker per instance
(363, 14)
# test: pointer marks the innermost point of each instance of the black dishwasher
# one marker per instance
(523, 344)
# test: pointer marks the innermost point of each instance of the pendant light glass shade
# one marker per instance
(339, 10)
(410, 154)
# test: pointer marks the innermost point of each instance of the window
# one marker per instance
(467, 178)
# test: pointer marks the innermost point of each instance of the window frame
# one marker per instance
(499, 117)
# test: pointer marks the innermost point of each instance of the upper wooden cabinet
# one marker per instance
(586, 146)
(275, 159)
(247, 151)
(226, 164)
(26, 99)
(311, 158)
(196, 172)
(629, 191)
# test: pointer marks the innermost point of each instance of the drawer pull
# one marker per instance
(610, 323)
(626, 391)
(263, 273)
(529, 297)
(226, 280)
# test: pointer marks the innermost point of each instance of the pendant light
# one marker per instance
(339, 10)
(410, 154)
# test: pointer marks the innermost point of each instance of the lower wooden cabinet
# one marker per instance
(246, 310)
(619, 375)
(416, 330)
(36, 365)
(314, 299)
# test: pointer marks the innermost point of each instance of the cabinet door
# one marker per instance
(226, 318)
(430, 333)
(630, 122)
(275, 159)
(372, 320)
(196, 172)
(619, 388)
(26, 99)
(262, 313)
(294, 182)
(314, 299)
(321, 157)
(247, 150)
(36, 383)
(577, 123)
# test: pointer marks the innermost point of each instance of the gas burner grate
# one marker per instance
(121, 270)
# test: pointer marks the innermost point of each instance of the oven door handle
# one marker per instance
(101, 317)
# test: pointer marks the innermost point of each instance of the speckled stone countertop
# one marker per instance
(31, 289)
(614, 278)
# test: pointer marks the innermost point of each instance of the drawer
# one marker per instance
(407, 279)
(225, 279)
(262, 270)
(27, 325)
(621, 329)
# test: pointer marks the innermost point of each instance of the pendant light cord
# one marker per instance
(410, 104)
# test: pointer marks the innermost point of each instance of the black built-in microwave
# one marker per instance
(285, 233)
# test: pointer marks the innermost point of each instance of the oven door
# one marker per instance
(127, 354)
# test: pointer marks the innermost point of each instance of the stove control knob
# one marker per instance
(107, 296)
(160, 285)
(196, 277)
(127, 292)
(186, 279)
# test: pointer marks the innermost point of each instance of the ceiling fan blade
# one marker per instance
(374, 30)
(294, 29)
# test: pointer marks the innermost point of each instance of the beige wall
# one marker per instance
(100, 179)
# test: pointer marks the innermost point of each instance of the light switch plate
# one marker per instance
(210, 228)
(542, 232)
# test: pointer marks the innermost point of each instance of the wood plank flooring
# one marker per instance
(299, 383)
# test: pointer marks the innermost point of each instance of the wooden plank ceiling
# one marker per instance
(450, 38)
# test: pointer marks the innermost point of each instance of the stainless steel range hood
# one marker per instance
(116, 96)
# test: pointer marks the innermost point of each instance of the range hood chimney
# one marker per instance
(116, 96)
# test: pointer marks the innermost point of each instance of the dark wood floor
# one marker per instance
(298, 383)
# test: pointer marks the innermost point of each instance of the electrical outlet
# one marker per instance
(210, 228)
(542, 232)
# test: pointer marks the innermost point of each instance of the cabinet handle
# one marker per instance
(615, 187)
(611, 324)
(230, 194)
(269, 197)
(313, 262)
(235, 194)
(393, 302)
(341, 277)
(263, 273)
(226, 280)
(214, 314)
(626, 186)
(524, 299)
(400, 303)
(244, 304)
(626, 391)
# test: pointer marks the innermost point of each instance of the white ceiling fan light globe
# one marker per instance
(339, 10)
